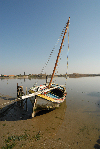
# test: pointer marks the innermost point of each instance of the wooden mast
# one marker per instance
(59, 53)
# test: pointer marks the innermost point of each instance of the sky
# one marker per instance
(29, 30)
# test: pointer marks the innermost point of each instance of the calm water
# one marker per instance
(78, 89)
(88, 86)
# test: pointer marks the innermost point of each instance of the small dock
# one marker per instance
(33, 94)
(21, 96)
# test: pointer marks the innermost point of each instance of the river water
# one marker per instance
(87, 87)
(78, 89)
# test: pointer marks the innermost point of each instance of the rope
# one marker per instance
(60, 56)
(67, 55)
(52, 51)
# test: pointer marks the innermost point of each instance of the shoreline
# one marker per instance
(74, 75)
(33, 132)
(64, 127)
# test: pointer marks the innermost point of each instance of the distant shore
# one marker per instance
(43, 76)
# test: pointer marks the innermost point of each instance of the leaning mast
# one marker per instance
(59, 52)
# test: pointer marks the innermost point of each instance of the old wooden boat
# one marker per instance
(50, 95)
(56, 93)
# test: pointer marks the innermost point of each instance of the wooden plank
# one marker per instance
(36, 93)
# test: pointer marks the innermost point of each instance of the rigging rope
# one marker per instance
(53, 50)
(67, 55)
(61, 54)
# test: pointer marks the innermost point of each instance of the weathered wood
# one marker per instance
(19, 91)
(26, 90)
(26, 104)
(34, 107)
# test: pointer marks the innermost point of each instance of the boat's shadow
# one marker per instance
(97, 145)
(43, 112)
(20, 111)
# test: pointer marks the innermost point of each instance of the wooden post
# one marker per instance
(17, 91)
(34, 107)
(59, 53)
(26, 104)
(22, 91)
(22, 103)
(26, 90)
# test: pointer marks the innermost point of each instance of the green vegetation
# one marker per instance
(18, 138)
(37, 136)
(10, 141)
(9, 146)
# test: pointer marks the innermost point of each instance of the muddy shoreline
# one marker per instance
(30, 131)
(63, 128)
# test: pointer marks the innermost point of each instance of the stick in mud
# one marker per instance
(34, 107)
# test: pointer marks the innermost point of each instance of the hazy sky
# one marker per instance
(29, 30)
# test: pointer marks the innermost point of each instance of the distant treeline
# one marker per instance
(74, 75)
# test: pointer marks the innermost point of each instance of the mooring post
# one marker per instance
(17, 91)
(22, 91)
(26, 90)
(34, 107)
(26, 104)
(22, 105)
(18, 102)
(26, 100)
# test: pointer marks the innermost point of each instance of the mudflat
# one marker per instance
(66, 127)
